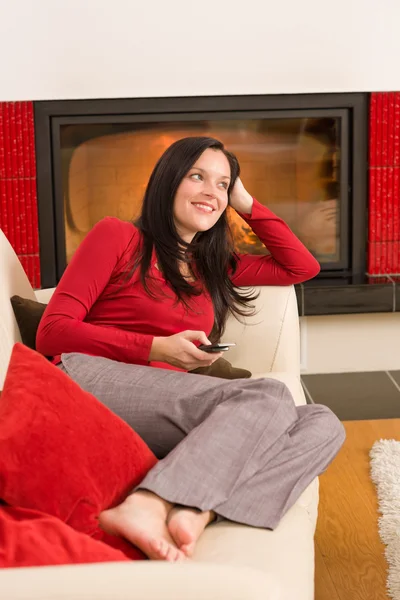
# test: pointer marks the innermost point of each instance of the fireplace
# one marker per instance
(305, 156)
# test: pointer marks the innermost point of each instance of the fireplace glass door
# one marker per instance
(296, 165)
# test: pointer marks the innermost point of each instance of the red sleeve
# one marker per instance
(289, 262)
(63, 328)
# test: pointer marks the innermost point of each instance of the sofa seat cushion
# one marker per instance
(286, 554)
(151, 580)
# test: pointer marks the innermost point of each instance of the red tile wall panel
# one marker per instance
(18, 201)
(384, 184)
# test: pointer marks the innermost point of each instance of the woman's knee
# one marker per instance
(265, 387)
(277, 389)
(329, 423)
(280, 397)
(266, 399)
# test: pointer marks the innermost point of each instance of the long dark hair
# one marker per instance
(211, 251)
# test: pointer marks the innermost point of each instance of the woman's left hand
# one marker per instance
(240, 198)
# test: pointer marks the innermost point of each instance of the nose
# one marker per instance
(210, 190)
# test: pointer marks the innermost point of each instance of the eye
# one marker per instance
(224, 184)
(196, 175)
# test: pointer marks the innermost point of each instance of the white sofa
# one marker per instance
(231, 561)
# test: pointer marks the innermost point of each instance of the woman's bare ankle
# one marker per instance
(212, 516)
(146, 497)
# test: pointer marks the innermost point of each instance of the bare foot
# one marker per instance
(141, 519)
(186, 525)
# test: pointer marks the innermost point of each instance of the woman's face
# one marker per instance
(202, 195)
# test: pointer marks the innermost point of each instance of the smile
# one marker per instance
(203, 207)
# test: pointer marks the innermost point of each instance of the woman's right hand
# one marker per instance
(179, 351)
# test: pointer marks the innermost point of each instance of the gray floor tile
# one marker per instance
(353, 396)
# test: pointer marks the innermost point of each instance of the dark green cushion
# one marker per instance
(223, 368)
(27, 314)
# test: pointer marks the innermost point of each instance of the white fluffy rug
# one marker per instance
(385, 473)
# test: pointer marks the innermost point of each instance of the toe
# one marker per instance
(188, 549)
(182, 556)
(164, 549)
(158, 549)
(172, 554)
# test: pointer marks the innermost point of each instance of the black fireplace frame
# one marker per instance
(50, 115)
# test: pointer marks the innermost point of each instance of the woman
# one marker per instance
(149, 294)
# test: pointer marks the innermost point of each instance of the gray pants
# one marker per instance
(238, 447)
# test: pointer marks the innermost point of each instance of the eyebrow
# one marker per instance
(203, 171)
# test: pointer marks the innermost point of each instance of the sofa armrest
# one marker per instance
(138, 580)
(44, 295)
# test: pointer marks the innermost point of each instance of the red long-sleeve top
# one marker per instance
(92, 312)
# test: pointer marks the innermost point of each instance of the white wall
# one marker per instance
(54, 49)
(346, 343)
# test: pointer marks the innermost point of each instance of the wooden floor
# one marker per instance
(350, 563)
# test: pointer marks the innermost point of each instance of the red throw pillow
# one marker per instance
(29, 538)
(62, 452)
